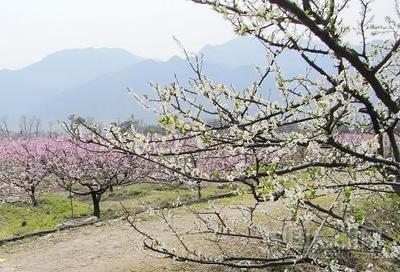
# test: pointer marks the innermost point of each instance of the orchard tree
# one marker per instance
(8, 193)
(24, 166)
(88, 170)
(326, 148)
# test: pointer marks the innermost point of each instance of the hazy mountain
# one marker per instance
(72, 67)
(20, 90)
(106, 97)
(241, 51)
(248, 51)
(93, 82)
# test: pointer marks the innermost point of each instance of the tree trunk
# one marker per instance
(198, 190)
(33, 197)
(71, 204)
(396, 187)
(96, 204)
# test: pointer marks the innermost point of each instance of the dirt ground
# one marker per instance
(109, 246)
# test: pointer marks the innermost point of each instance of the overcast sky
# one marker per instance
(32, 29)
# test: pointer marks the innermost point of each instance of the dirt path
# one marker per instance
(104, 248)
(110, 246)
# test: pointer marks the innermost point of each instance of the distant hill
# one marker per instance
(72, 67)
(248, 51)
(242, 51)
(93, 82)
(22, 90)
(106, 97)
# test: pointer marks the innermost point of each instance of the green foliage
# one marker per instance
(310, 194)
(267, 186)
(341, 239)
(359, 215)
(347, 193)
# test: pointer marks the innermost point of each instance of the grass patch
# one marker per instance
(54, 208)
(21, 218)
(133, 197)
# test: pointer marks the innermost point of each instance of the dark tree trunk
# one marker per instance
(111, 188)
(96, 204)
(199, 190)
(396, 187)
(33, 197)
(71, 203)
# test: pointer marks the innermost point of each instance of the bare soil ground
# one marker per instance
(109, 246)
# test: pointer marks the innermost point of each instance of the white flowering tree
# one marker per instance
(326, 149)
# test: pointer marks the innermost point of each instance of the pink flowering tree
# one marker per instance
(325, 145)
(24, 167)
(87, 170)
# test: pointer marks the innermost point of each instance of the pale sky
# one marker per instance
(32, 29)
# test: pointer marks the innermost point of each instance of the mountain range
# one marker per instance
(93, 82)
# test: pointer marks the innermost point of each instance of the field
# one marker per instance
(108, 245)
(55, 208)
(111, 244)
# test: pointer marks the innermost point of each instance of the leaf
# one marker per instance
(2, 260)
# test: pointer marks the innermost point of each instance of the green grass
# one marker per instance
(21, 218)
(54, 208)
(142, 190)
(133, 197)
